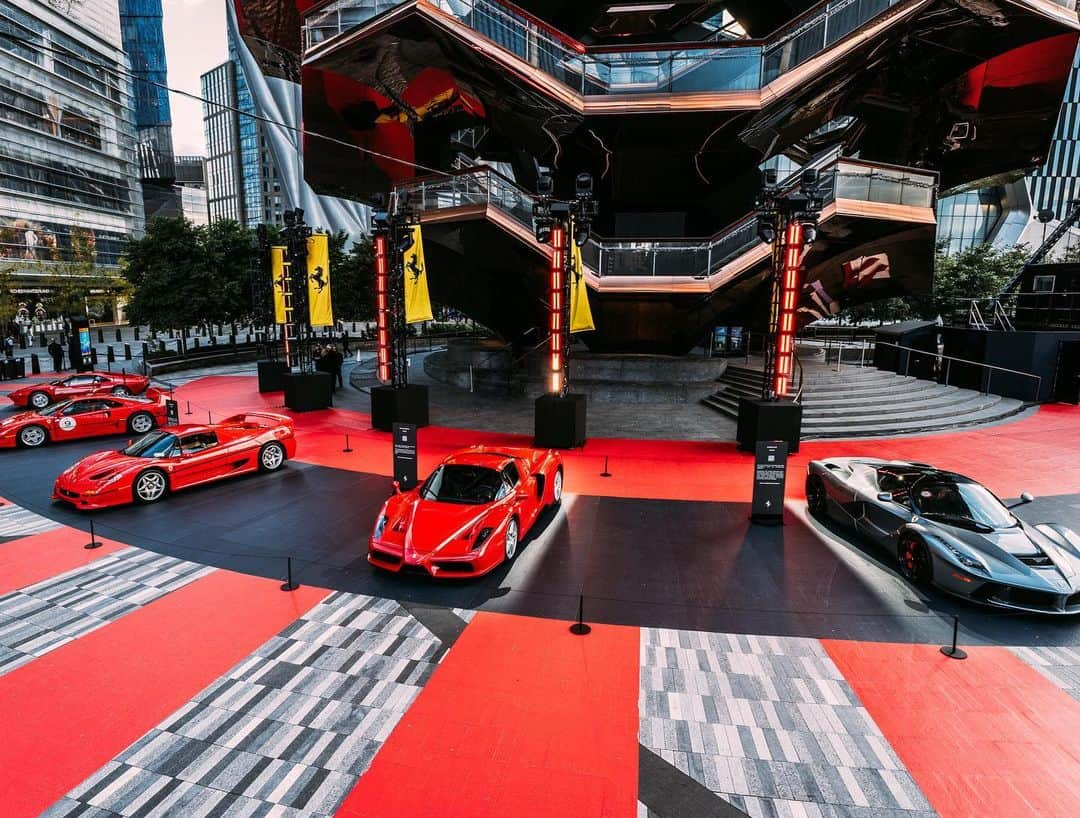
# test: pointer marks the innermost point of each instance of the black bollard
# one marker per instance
(94, 543)
(137, 333)
(579, 628)
(35, 364)
(605, 472)
(289, 584)
(93, 356)
(195, 342)
(110, 354)
(119, 337)
(347, 447)
(127, 352)
(952, 651)
(101, 336)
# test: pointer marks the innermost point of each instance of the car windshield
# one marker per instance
(472, 485)
(55, 409)
(962, 503)
(154, 444)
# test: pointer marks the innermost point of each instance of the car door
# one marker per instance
(116, 416)
(883, 519)
(202, 458)
(81, 418)
(73, 386)
(525, 503)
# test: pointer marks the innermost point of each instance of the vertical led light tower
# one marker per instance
(787, 219)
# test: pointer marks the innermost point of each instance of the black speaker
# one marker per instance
(272, 376)
(769, 420)
(560, 421)
(307, 391)
(406, 404)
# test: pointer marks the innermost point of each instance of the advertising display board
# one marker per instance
(79, 344)
(770, 476)
(172, 412)
(405, 464)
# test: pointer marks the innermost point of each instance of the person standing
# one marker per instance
(57, 353)
(344, 342)
(334, 361)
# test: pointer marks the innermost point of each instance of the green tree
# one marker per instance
(229, 257)
(353, 272)
(168, 274)
(978, 272)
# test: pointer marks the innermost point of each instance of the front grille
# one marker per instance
(1073, 600)
(1025, 598)
(384, 556)
(455, 567)
(72, 494)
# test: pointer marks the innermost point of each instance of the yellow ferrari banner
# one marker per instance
(581, 319)
(320, 307)
(277, 273)
(417, 298)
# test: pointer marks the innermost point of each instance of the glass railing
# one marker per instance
(698, 68)
(839, 178)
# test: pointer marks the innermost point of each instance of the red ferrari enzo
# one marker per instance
(176, 458)
(84, 417)
(40, 395)
(469, 515)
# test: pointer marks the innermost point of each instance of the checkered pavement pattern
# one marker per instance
(42, 617)
(770, 726)
(1059, 665)
(17, 522)
(287, 732)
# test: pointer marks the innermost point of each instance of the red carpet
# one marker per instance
(32, 559)
(1026, 455)
(71, 711)
(521, 718)
(987, 736)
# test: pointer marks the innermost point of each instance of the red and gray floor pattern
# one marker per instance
(141, 684)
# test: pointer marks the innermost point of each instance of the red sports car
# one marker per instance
(469, 515)
(40, 395)
(178, 457)
(84, 417)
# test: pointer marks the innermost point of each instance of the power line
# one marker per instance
(221, 106)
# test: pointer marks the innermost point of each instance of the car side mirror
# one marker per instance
(397, 487)
(885, 496)
(1025, 498)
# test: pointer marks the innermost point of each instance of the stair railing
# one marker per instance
(802, 377)
(989, 368)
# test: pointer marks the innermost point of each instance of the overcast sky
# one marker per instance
(194, 43)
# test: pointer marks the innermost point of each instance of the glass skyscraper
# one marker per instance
(68, 176)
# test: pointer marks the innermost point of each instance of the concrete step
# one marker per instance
(917, 392)
(1000, 410)
(965, 405)
(948, 399)
(897, 391)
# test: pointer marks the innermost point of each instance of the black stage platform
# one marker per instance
(692, 565)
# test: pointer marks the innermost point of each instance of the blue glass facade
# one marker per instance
(250, 159)
(144, 42)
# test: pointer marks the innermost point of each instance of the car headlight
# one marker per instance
(482, 538)
(380, 526)
(965, 560)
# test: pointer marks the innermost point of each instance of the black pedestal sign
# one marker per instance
(405, 455)
(770, 474)
(172, 413)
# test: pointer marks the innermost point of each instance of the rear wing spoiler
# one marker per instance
(262, 420)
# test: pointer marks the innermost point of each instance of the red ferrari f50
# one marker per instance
(470, 515)
(176, 458)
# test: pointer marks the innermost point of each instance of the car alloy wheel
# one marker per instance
(32, 436)
(556, 488)
(121, 391)
(271, 457)
(915, 562)
(815, 496)
(39, 400)
(511, 539)
(141, 422)
(150, 486)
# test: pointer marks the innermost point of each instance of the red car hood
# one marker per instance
(99, 462)
(431, 527)
(21, 419)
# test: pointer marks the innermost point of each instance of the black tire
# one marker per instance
(121, 391)
(38, 400)
(33, 436)
(150, 486)
(271, 456)
(916, 564)
(139, 419)
(557, 488)
(817, 501)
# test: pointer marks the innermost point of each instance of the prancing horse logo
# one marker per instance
(318, 278)
(415, 268)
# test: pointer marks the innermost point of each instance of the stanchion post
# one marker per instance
(347, 447)
(188, 412)
(579, 628)
(952, 651)
(209, 418)
(605, 472)
(289, 585)
(94, 543)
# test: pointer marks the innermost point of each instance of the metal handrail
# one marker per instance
(991, 368)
